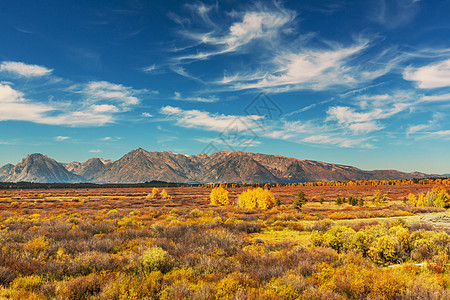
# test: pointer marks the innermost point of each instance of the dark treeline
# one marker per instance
(155, 183)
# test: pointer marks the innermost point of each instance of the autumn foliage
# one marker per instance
(126, 244)
(219, 196)
(256, 198)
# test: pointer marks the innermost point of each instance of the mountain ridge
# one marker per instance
(139, 166)
(37, 167)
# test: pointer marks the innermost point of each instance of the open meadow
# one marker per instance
(341, 241)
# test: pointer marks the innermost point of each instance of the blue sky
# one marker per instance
(362, 83)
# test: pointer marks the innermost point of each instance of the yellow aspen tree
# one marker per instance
(164, 195)
(421, 201)
(412, 199)
(219, 196)
(155, 193)
(256, 198)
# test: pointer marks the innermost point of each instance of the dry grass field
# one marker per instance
(125, 243)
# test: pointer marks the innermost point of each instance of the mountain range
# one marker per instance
(140, 166)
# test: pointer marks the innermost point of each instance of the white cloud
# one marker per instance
(166, 138)
(342, 142)
(61, 138)
(76, 118)
(306, 69)
(319, 133)
(95, 151)
(395, 101)
(425, 130)
(258, 23)
(147, 115)
(364, 127)
(106, 138)
(441, 133)
(444, 97)
(149, 69)
(283, 63)
(13, 106)
(431, 76)
(355, 121)
(103, 108)
(394, 13)
(8, 94)
(95, 103)
(295, 131)
(426, 135)
(24, 70)
(347, 115)
(182, 72)
(372, 109)
(210, 99)
(287, 130)
(202, 10)
(233, 143)
(205, 120)
(170, 110)
(287, 68)
(417, 128)
(106, 91)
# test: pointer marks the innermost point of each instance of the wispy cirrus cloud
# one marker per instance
(311, 132)
(394, 13)
(285, 60)
(370, 110)
(307, 69)
(258, 23)
(25, 70)
(150, 68)
(427, 129)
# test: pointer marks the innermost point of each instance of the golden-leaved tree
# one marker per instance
(256, 198)
(219, 196)
(438, 196)
(166, 196)
(155, 193)
(378, 198)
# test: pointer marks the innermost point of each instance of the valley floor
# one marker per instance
(126, 244)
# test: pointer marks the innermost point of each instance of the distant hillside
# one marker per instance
(140, 166)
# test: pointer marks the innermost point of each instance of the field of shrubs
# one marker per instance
(336, 241)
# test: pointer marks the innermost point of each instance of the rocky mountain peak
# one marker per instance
(140, 165)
